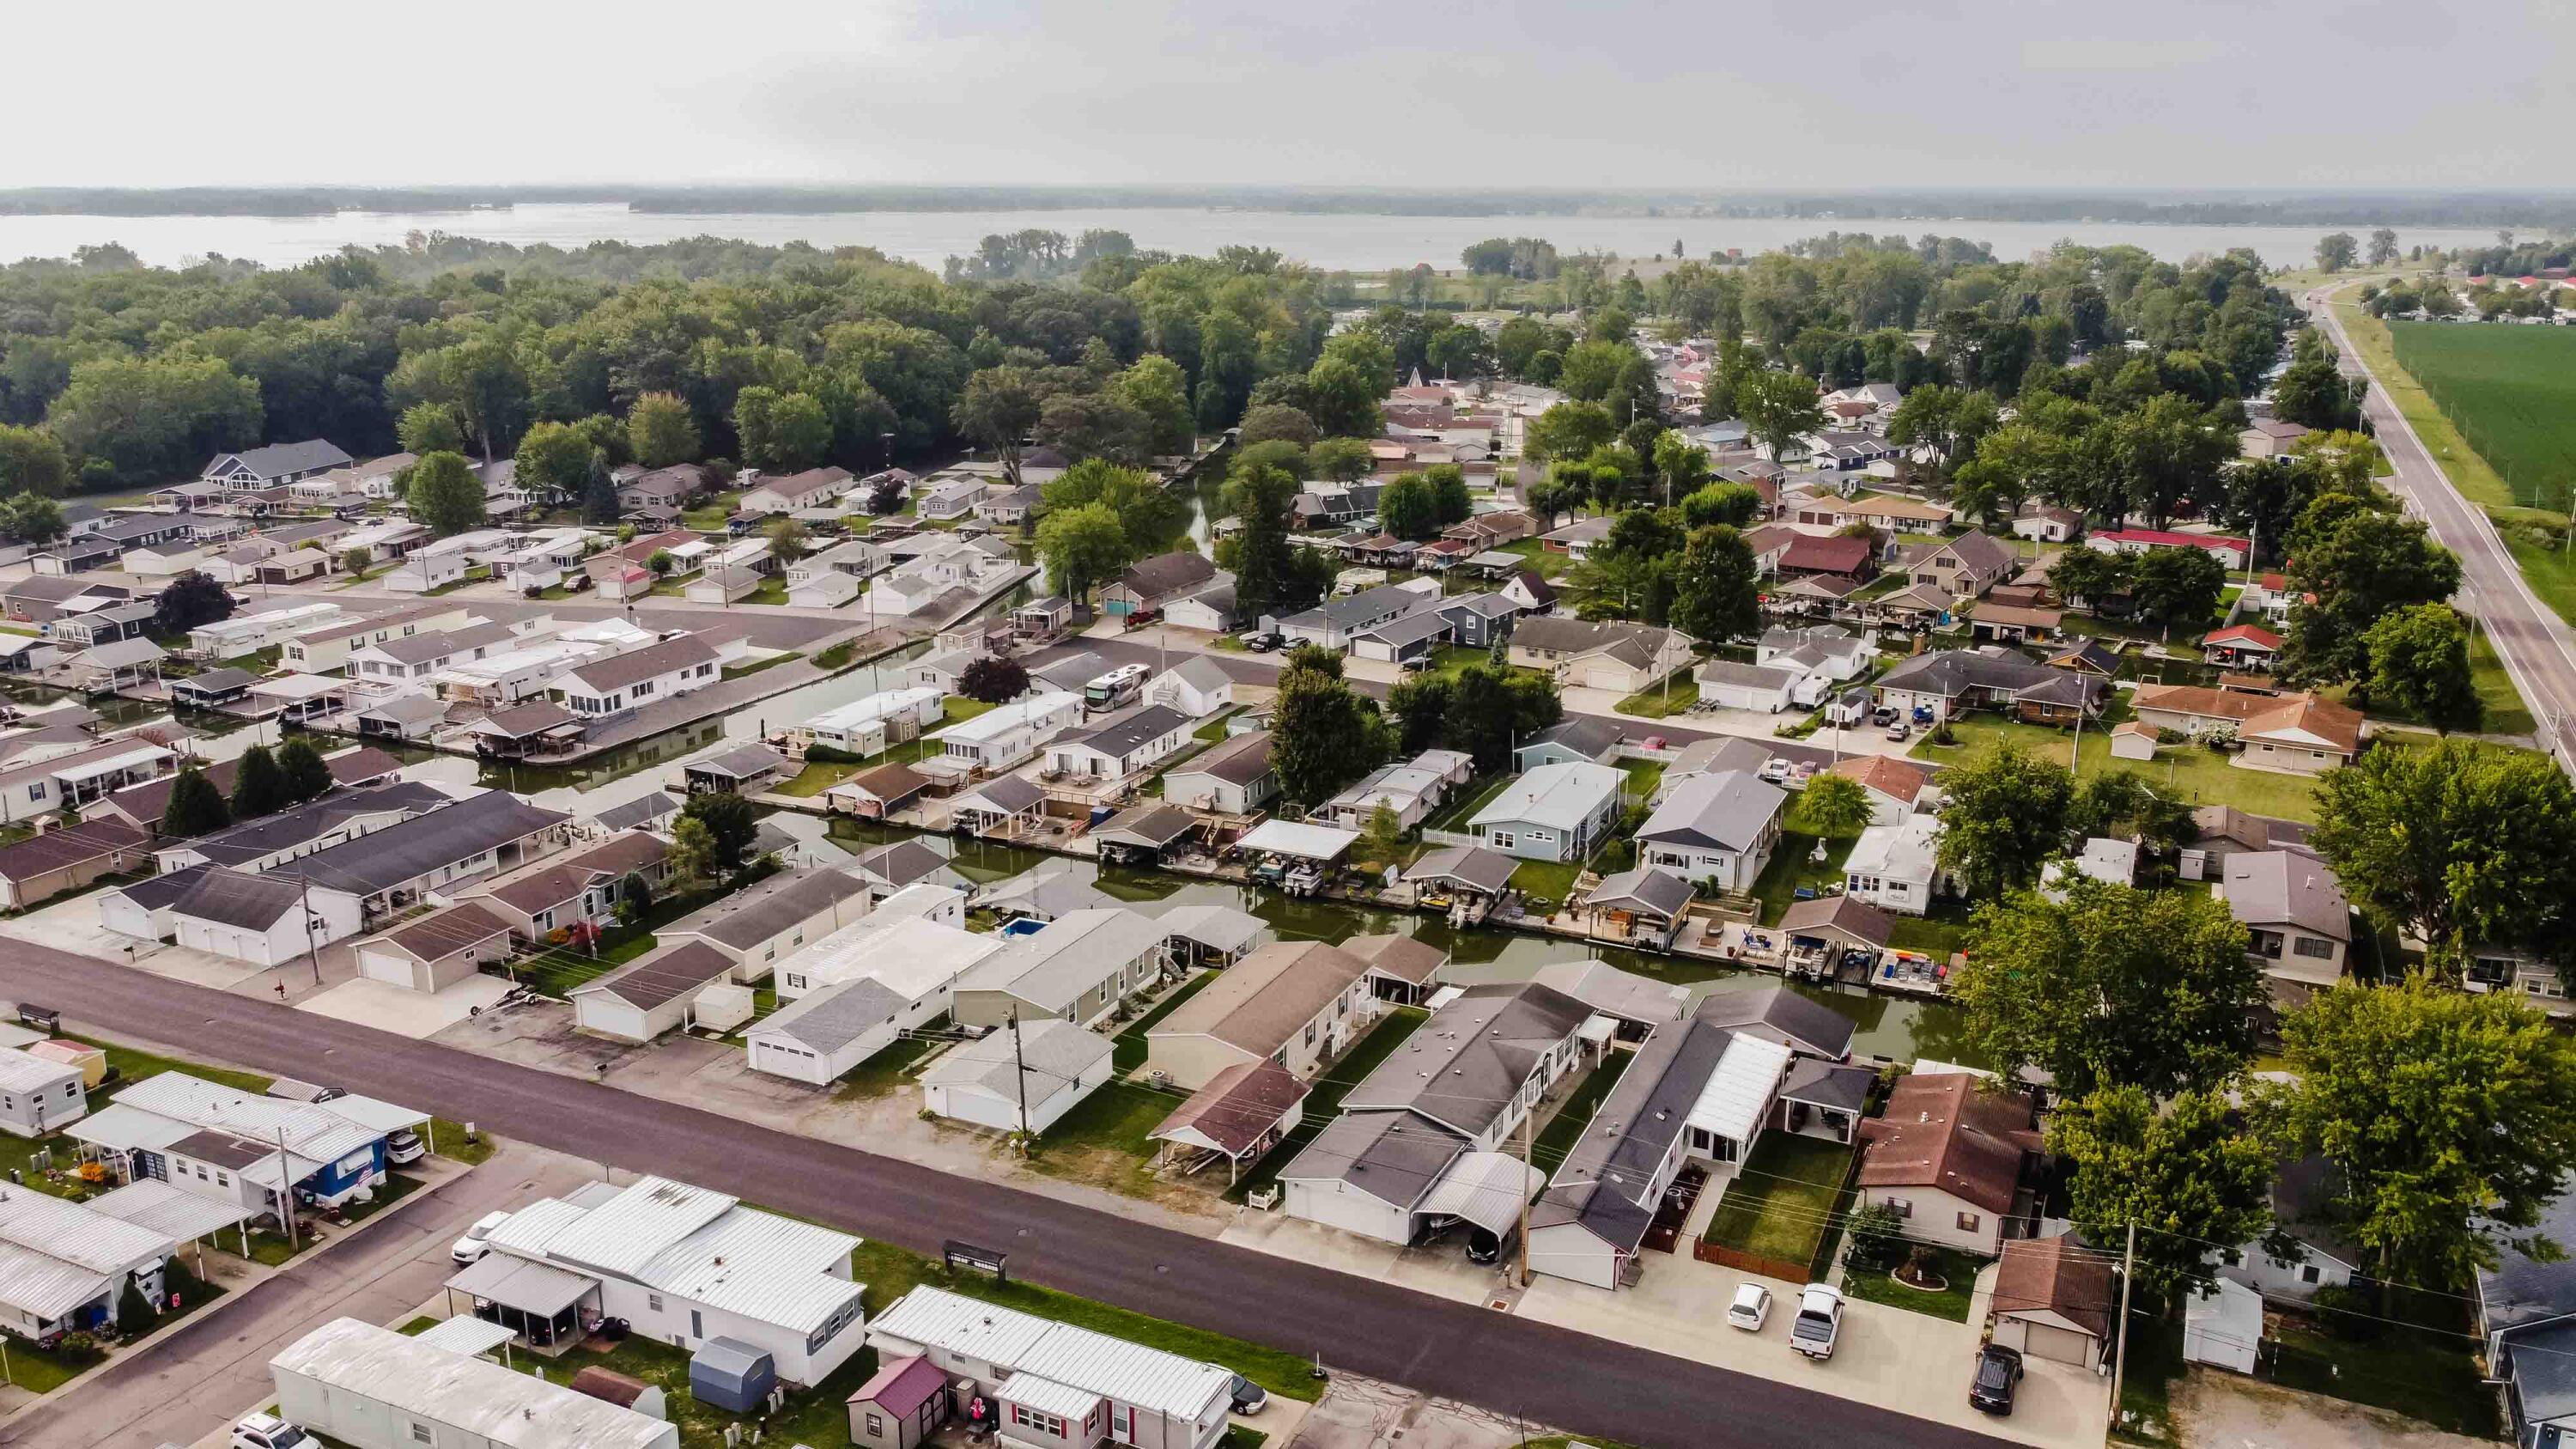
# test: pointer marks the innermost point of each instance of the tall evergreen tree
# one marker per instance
(300, 766)
(195, 806)
(259, 787)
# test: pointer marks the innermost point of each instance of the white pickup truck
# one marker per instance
(1819, 1323)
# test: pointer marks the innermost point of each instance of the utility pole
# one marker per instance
(304, 901)
(1020, 1077)
(285, 1191)
(1525, 1164)
(2120, 1363)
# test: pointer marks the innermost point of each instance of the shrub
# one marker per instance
(2347, 1312)
(1877, 1238)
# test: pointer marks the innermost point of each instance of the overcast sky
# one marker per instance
(1762, 93)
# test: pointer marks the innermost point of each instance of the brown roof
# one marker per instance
(1401, 957)
(561, 880)
(1940, 1131)
(70, 846)
(1901, 779)
(1849, 915)
(1991, 612)
(891, 783)
(608, 1385)
(2259, 714)
(1261, 1001)
(441, 934)
(1835, 555)
(1237, 1105)
(2056, 1275)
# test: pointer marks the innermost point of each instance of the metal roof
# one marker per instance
(77, 1234)
(43, 1287)
(1739, 1092)
(26, 1075)
(834, 1016)
(1219, 928)
(1485, 1188)
(1297, 838)
(475, 1396)
(522, 1283)
(1049, 1397)
(1051, 1054)
(909, 956)
(1074, 953)
(320, 1131)
(1561, 796)
(1149, 1378)
(465, 1334)
(698, 1244)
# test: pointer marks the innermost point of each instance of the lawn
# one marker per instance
(2200, 775)
(1462, 808)
(41, 1371)
(1128, 1046)
(1659, 702)
(818, 1416)
(2424, 1372)
(1958, 1271)
(1643, 776)
(1549, 565)
(1546, 880)
(738, 671)
(1936, 935)
(2146, 1387)
(1104, 1140)
(814, 779)
(881, 1074)
(838, 655)
(710, 516)
(1213, 731)
(1324, 1102)
(1779, 1206)
(772, 589)
(1568, 1124)
(2509, 392)
(1793, 865)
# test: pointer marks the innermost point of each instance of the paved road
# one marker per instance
(195, 1380)
(1456, 1350)
(2535, 644)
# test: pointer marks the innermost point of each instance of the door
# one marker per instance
(2058, 1345)
(386, 967)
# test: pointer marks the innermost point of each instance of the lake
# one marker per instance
(1333, 241)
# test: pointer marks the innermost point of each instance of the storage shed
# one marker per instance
(731, 1375)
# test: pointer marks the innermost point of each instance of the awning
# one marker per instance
(1295, 838)
(1485, 1188)
(1597, 1030)
(178, 1216)
(120, 1128)
(466, 1334)
(123, 759)
(43, 1287)
(296, 687)
(375, 1114)
(540, 1289)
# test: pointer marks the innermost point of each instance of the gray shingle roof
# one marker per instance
(756, 913)
(652, 979)
(238, 898)
(835, 1016)
(1588, 735)
(425, 843)
(1462, 1066)
(650, 662)
(1782, 1015)
(1123, 734)
(1607, 1181)
(1730, 810)
(287, 829)
(279, 459)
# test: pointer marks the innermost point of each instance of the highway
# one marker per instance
(2536, 645)
(1549, 1375)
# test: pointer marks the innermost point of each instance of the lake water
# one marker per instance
(1336, 241)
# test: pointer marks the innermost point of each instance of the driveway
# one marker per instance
(2215, 1410)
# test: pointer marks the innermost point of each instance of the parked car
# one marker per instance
(1885, 714)
(1819, 1322)
(1900, 730)
(478, 1238)
(404, 1147)
(267, 1431)
(1248, 1397)
(1751, 1308)
(1483, 1248)
(1416, 664)
(1998, 1372)
(1263, 643)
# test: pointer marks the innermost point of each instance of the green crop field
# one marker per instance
(2511, 393)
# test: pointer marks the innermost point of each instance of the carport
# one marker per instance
(182, 1217)
(1487, 1189)
(538, 1302)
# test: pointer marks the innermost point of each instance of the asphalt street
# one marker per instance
(1575, 1381)
(2534, 643)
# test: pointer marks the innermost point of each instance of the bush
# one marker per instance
(1877, 1238)
(2348, 1313)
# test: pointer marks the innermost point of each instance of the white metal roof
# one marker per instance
(298, 687)
(912, 957)
(26, 1073)
(75, 1233)
(1149, 1378)
(475, 1396)
(1000, 720)
(625, 1233)
(121, 1128)
(1074, 953)
(1049, 1397)
(523, 1283)
(875, 707)
(1739, 1091)
(1306, 842)
(158, 1207)
(1219, 928)
(43, 1287)
(314, 1130)
(1485, 1188)
(118, 761)
(373, 1113)
(1561, 796)
(465, 1334)
(694, 1243)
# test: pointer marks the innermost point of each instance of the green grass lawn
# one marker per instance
(814, 779)
(819, 1415)
(1549, 565)
(1568, 1124)
(1660, 703)
(1128, 1047)
(1546, 880)
(1214, 730)
(1958, 1270)
(1792, 866)
(43, 1370)
(882, 1073)
(2509, 392)
(2421, 1367)
(738, 671)
(1937, 935)
(710, 516)
(1780, 1204)
(2146, 1386)
(2198, 774)
(1643, 776)
(1325, 1101)
(1104, 1139)
(772, 589)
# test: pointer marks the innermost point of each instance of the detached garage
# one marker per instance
(977, 1082)
(2054, 1299)
(436, 951)
(1730, 685)
(261, 918)
(652, 994)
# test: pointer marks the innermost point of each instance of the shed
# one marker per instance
(904, 1404)
(2225, 1329)
(2131, 740)
(731, 1375)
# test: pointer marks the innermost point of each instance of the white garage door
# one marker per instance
(387, 967)
(1610, 677)
(2058, 1345)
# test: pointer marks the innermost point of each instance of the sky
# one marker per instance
(1403, 93)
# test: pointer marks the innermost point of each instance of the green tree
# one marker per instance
(1592, 369)
(1342, 399)
(149, 419)
(1151, 515)
(692, 855)
(1451, 503)
(993, 680)
(1778, 409)
(2460, 844)
(1680, 465)
(800, 434)
(2447, 1120)
(2090, 575)
(1266, 576)
(730, 824)
(1342, 460)
(555, 461)
(634, 899)
(999, 408)
(1717, 590)
(2364, 566)
(259, 787)
(2337, 251)
(301, 771)
(190, 601)
(2419, 664)
(1732, 504)
(445, 495)
(599, 505)
(1381, 841)
(2168, 450)
(661, 431)
(1277, 421)
(1834, 805)
(1156, 389)
(789, 539)
(195, 806)
(430, 427)
(1324, 736)
(32, 462)
(1490, 709)
(2178, 586)
(2112, 986)
(32, 518)
(1568, 430)
(2185, 1172)
(2003, 812)
(1407, 508)
(1081, 546)
(2383, 247)
(1419, 704)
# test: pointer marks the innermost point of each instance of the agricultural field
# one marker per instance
(2511, 393)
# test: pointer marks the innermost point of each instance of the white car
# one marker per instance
(267, 1431)
(1751, 1308)
(478, 1238)
(1819, 1322)
(404, 1147)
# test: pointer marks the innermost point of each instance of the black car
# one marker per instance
(1998, 1371)
(1264, 643)
(1483, 1248)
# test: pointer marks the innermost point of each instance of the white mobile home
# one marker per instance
(373, 1388)
(1135, 1395)
(1008, 734)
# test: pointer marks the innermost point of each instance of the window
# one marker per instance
(420, 1434)
(2308, 1273)
(1310, 1033)
(1904, 1207)
(795, 982)
(1971, 1222)
(653, 1302)
(223, 1179)
(876, 1426)
(2312, 946)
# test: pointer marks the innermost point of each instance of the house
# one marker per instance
(676, 486)
(1833, 556)
(1007, 734)
(1022, 1078)
(1556, 812)
(57, 775)
(1533, 594)
(408, 662)
(1693, 1095)
(221, 1142)
(1078, 967)
(1936, 685)
(867, 726)
(682, 664)
(104, 625)
(683, 1265)
(1774, 1012)
(70, 1266)
(1620, 658)
(1410, 791)
(324, 650)
(2269, 438)
(775, 918)
(733, 771)
(51, 862)
(2056, 1300)
(433, 952)
(264, 842)
(372, 1388)
(1963, 567)
(2526, 1318)
(2047, 523)
(2290, 733)
(39, 599)
(1294, 1003)
(1149, 584)
(273, 466)
(888, 869)
(1197, 687)
(2308, 1248)
(1728, 684)
(812, 488)
(1990, 622)
(2298, 923)
(1333, 623)
(577, 889)
(1578, 738)
(1233, 777)
(2241, 646)
(2230, 551)
(1577, 539)
(860, 991)
(1715, 831)
(1896, 867)
(1897, 788)
(1121, 745)
(1407, 638)
(38, 1095)
(1055, 1383)
(1951, 1158)
(1830, 650)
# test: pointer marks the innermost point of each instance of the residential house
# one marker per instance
(1197, 686)
(2308, 1248)
(39, 1095)
(2298, 923)
(324, 650)
(578, 889)
(1055, 1383)
(1335, 622)
(39, 599)
(1409, 790)
(1476, 621)
(1897, 788)
(1729, 684)
(1149, 584)
(2056, 1300)
(1577, 539)
(405, 663)
(1530, 592)
(602, 688)
(1577, 738)
(1007, 734)
(2047, 523)
(1556, 812)
(1952, 1158)
(1408, 638)
(57, 774)
(862, 989)
(2269, 438)
(264, 842)
(940, 499)
(676, 486)
(1715, 831)
(1616, 657)
(2241, 646)
(812, 488)
(1118, 746)
(2296, 733)
(273, 466)
(1963, 567)
(1934, 686)
(1233, 777)
(2228, 550)
(51, 862)
(1808, 555)
(430, 953)
(2526, 1311)
(220, 1142)
(1297, 1004)
(71, 1266)
(357, 1382)
(1079, 967)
